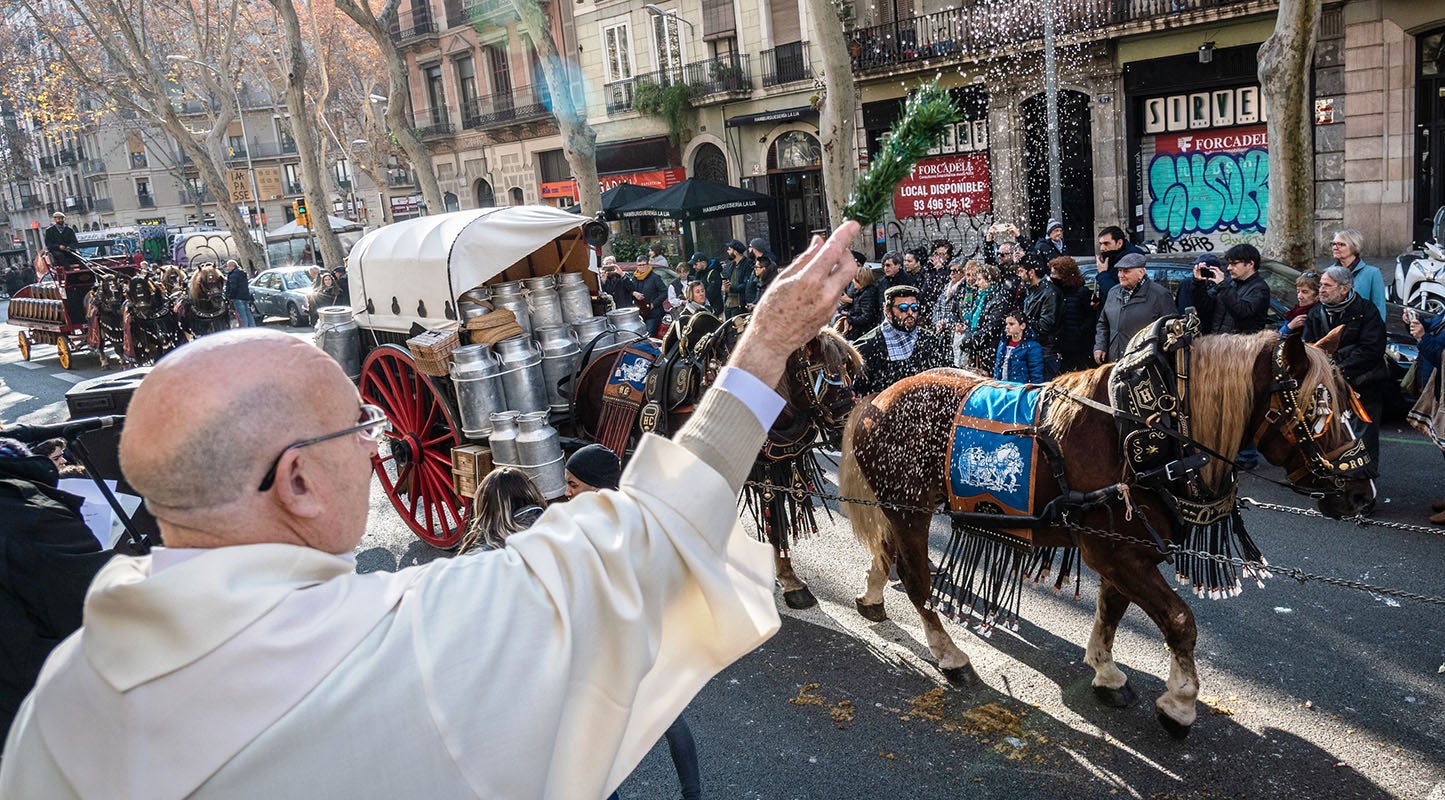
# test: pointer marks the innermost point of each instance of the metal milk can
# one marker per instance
(339, 337)
(540, 454)
(522, 381)
(477, 376)
(587, 329)
(503, 440)
(627, 319)
(543, 303)
(576, 297)
(560, 354)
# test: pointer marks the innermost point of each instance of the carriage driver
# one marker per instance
(61, 241)
(247, 658)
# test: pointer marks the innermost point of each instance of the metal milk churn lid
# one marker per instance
(507, 289)
(522, 381)
(576, 297)
(339, 337)
(477, 376)
(627, 319)
(540, 454)
(543, 303)
(503, 439)
(560, 354)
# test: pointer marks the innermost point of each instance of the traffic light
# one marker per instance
(302, 218)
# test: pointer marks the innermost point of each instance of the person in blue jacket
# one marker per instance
(1020, 358)
(1345, 247)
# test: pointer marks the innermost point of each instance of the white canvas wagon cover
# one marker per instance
(413, 271)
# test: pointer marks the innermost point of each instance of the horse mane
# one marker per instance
(838, 353)
(1061, 414)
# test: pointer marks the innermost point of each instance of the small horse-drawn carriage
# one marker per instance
(54, 312)
(516, 280)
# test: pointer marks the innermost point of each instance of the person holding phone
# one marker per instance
(1233, 303)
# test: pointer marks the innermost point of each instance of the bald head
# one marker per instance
(205, 423)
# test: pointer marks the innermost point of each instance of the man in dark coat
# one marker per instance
(710, 273)
(1130, 307)
(1051, 244)
(1238, 303)
(1041, 307)
(61, 241)
(1113, 245)
(899, 347)
(646, 286)
(50, 557)
(737, 269)
(238, 291)
(928, 278)
(1360, 353)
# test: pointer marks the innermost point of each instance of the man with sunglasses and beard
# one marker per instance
(1360, 354)
(248, 658)
(899, 347)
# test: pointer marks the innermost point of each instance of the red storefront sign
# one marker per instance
(655, 179)
(945, 185)
(1213, 141)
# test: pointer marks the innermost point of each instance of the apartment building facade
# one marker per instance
(1162, 119)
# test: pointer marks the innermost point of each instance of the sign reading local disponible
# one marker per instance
(946, 185)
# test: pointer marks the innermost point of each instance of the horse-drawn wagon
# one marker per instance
(54, 312)
(460, 315)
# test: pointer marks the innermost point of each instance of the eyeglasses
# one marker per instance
(371, 426)
(904, 308)
(1338, 244)
(952, 271)
(1232, 262)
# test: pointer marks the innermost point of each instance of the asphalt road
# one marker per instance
(1308, 690)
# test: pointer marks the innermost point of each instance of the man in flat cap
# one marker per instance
(61, 241)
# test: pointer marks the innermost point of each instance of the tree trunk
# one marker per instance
(308, 148)
(837, 120)
(1284, 63)
(399, 121)
(579, 140)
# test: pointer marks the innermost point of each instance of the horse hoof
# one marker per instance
(1122, 697)
(964, 677)
(872, 613)
(800, 598)
(1177, 730)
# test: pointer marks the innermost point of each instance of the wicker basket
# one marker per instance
(434, 345)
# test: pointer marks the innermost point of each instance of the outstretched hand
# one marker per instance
(797, 303)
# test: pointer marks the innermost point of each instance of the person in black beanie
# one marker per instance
(592, 468)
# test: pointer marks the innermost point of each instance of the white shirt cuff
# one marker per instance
(759, 397)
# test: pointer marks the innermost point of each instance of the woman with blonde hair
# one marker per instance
(506, 501)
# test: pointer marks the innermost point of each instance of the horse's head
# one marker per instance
(143, 294)
(819, 382)
(206, 281)
(1302, 423)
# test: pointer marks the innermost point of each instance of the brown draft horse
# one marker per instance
(818, 389)
(897, 449)
(204, 308)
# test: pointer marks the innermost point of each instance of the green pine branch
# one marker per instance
(925, 117)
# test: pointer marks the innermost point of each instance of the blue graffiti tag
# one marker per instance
(1198, 193)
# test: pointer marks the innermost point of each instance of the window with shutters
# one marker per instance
(718, 19)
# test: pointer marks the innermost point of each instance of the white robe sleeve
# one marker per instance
(552, 666)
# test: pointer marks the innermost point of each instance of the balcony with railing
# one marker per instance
(94, 167)
(292, 187)
(67, 157)
(145, 200)
(786, 63)
(285, 147)
(73, 204)
(414, 28)
(433, 124)
(519, 105)
(620, 95)
(725, 75)
(195, 197)
(976, 29)
(396, 178)
(498, 13)
(47, 163)
(104, 205)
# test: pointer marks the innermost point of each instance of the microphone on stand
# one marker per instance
(30, 434)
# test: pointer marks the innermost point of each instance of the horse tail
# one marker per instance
(870, 523)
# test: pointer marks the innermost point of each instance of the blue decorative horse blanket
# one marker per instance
(994, 462)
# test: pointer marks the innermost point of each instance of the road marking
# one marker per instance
(68, 377)
(28, 365)
(1398, 440)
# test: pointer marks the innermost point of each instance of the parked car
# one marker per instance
(282, 292)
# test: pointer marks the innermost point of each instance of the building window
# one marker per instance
(553, 166)
(517, 199)
(795, 150)
(668, 41)
(618, 44)
(485, 198)
(436, 95)
(501, 71)
(293, 178)
(467, 83)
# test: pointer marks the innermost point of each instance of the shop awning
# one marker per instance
(771, 117)
(695, 199)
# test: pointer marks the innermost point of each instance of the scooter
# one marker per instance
(1420, 274)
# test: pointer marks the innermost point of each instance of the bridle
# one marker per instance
(816, 382)
(1300, 427)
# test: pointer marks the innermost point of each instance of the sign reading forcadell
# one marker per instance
(946, 185)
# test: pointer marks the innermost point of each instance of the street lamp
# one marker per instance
(657, 11)
(250, 167)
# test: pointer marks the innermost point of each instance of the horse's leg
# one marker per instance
(795, 592)
(870, 603)
(1111, 685)
(1140, 581)
(912, 538)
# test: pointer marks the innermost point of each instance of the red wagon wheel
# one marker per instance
(414, 461)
